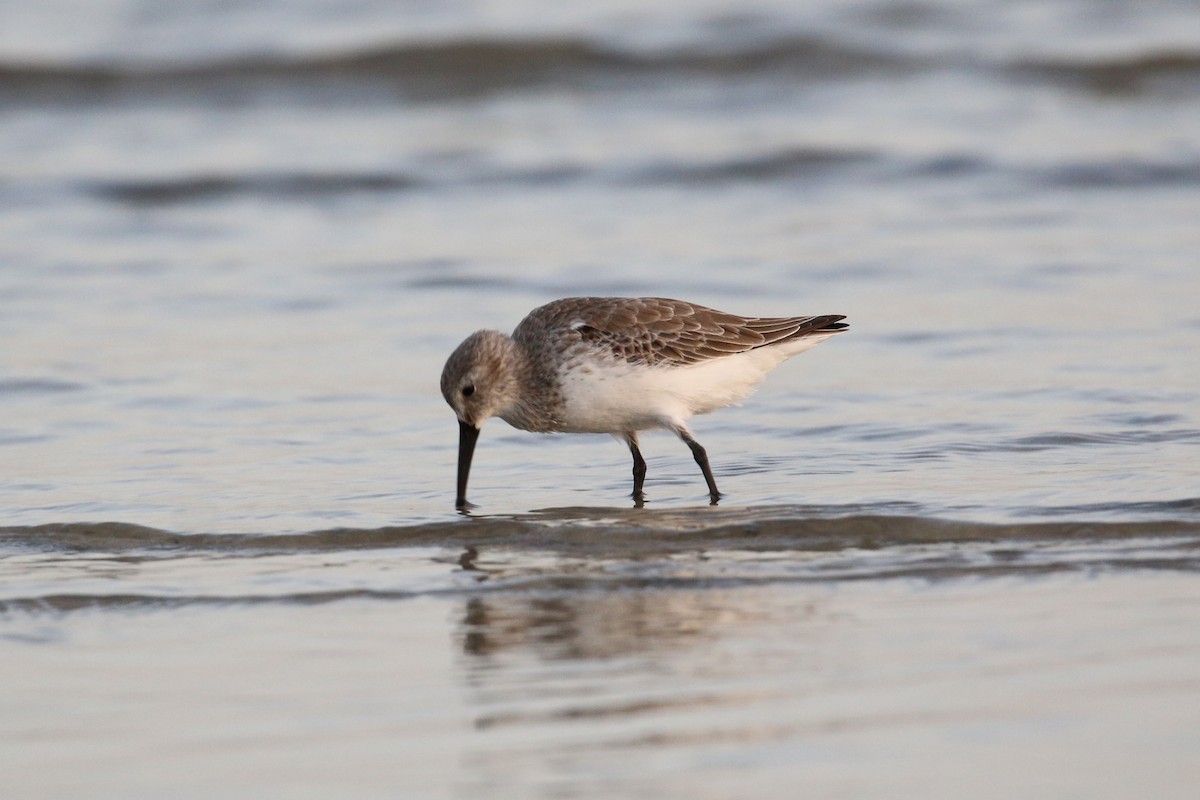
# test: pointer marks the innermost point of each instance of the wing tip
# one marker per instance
(829, 323)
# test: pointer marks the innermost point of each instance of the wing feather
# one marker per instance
(660, 331)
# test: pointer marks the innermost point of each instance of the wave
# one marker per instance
(814, 163)
(1185, 507)
(36, 386)
(1121, 173)
(66, 602)
(1057, 439)
(773, 165)
(571, 552)
(793, 163)
(455, 68)
(1112, 75)
(469, 68)
(627, 531)
(200, 188)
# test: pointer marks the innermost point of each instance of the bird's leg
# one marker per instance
(702, 460)
(639, 467)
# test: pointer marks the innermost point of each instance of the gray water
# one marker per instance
(959, 544)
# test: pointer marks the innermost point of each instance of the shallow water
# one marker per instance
(711, 665)
(958, 546)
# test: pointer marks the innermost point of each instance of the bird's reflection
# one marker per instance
(588, 624)
(567, 660)
(467, 559)
(557, 607)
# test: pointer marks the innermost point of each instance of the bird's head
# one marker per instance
(479, 381)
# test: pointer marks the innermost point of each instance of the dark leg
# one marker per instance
(702, 460)
(639, 467)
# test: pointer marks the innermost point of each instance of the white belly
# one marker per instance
(615, 396)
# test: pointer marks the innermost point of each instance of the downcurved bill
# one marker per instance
(467, 435)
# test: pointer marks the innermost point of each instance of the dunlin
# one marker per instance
(618, 365)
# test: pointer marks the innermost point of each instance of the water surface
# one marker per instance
(957, 552)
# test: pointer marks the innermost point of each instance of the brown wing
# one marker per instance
(656, 330)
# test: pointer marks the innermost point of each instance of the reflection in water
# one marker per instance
(570, 641)
(585, 626)
(755, 690)
(564, 683)
(467, 559)
(548, 607)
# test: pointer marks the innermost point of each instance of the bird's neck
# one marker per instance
(537, 392)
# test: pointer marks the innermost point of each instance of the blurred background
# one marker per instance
(238, 239)
(957, 550)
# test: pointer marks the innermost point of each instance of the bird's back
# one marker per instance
(657, 331)
(621, 364)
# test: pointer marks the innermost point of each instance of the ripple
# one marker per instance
(626, 531)
(38, 386)
(1114, 74)
(559, 552)
(195, 188)
(462, 68)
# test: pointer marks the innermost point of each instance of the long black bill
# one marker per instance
(467, 435)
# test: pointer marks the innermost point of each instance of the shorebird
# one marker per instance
(618, 365)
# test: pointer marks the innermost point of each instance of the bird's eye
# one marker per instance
(468, 390)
